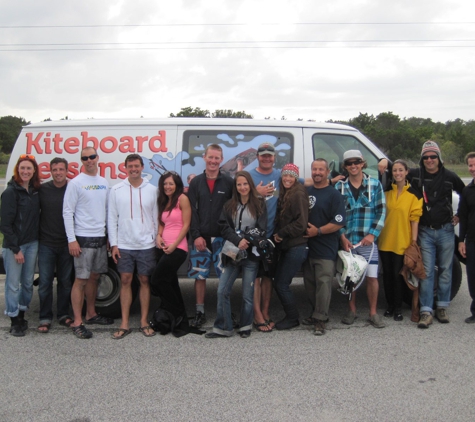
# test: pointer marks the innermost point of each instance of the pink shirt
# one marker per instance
(173, 224)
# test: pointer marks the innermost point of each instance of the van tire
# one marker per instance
(456, 283)
(108, 293)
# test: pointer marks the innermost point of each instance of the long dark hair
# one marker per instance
(165, 203)
(35, 180)
(285, 195)
(254, 205)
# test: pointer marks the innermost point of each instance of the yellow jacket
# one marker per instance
(396, 234)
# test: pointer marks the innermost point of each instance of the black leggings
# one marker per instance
(164, 281)
(393, 281)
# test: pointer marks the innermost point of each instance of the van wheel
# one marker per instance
(456, 282)
(108, 293)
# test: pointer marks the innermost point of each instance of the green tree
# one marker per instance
(10, 128)
(191, 112)
(231, 114)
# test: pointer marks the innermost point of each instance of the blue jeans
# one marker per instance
(19, 278)
(437, 247)
(48, 259)
(289, 263)
(224, 323)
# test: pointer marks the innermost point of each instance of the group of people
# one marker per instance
(263, 225)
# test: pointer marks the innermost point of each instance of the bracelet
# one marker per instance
(319, 231)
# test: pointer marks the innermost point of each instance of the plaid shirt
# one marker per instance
(365, 215)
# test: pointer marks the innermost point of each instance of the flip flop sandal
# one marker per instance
(44, 328)
(144, 330)
(122, 333)
(258, 327)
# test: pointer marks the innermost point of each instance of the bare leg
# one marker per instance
(125, 298)
(266, 295)
(144, 296)
(200, 291)
(90, 291)
(372, 289)
(77, 300)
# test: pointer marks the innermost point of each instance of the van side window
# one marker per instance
(239, 149)
(332, 147)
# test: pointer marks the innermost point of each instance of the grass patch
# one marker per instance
(460, 169)
(3, 170)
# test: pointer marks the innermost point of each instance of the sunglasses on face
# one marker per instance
(350, 163)
(31, 157)
(90, 157)
(432, 157)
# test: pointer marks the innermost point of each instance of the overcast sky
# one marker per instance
(305, 59)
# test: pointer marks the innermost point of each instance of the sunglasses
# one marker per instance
(31, 157)
(170, 172)
(350, 163)
(432, 157)
(90, 157)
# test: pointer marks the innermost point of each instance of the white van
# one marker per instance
(178, 144)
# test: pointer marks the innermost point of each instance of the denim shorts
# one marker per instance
(146, 259)
(91, 260)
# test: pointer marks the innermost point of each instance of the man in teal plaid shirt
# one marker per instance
(365, 213)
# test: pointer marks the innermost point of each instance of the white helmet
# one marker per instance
(351, 271)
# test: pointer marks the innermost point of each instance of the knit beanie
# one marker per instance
(291, 169)
(431, 146)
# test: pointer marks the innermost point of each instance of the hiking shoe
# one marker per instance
(441, 315)
(100, 320)
(470, 319)
(349, 318)
(319, 328)
(16, 330)
(376, 321)
(309, 321)
(198, 320)
(426, 320)
(81, 332)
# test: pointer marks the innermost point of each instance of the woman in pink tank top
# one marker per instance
(174, 217)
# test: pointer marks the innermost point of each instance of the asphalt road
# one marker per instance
(355, 373)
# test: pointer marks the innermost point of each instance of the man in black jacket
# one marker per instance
(208, 192)
(436, 230)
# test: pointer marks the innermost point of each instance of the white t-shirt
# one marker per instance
(85, 206)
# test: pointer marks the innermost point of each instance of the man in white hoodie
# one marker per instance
(132, 225)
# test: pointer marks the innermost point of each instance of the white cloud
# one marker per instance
(310, 83)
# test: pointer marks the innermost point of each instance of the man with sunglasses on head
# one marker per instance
(85, 216)
(365, 213)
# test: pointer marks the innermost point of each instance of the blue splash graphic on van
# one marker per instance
(239, 153)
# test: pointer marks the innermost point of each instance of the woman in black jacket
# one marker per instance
(20, 215)
(246, 209)
(290, 229)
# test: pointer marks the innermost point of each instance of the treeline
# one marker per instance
(403, 138)
(397, 137)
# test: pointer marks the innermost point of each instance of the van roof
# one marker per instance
(189, 121)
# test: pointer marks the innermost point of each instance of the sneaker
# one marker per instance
(198, 320)
(376, 321)
(319, 328)
(441, 315)
(349, 318)
(426, 320)
(470, 319)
